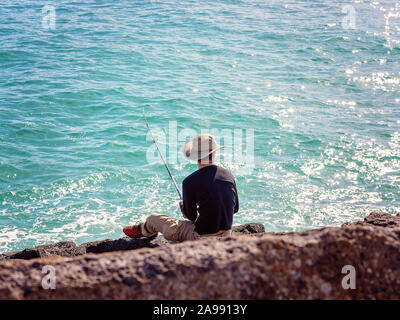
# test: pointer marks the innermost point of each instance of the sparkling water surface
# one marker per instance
(323, 101)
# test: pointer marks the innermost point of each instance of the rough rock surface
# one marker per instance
(65, 249)
(70, 249)
(378, 219)
(297, 265)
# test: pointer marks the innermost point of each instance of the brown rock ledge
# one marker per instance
(296, 265)
(70, 249)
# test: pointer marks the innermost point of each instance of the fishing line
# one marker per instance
(162, 158)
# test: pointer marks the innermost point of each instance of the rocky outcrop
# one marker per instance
(378, 219)
(70, 249)
(64, 249)
(296, 265)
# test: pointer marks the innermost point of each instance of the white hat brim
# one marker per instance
(195, 155)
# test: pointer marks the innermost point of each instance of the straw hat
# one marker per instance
(200, 147)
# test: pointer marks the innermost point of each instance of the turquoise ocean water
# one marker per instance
(323, 101)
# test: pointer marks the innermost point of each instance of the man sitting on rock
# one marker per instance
(209, 199)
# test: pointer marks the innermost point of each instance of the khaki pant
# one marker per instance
(172, 229)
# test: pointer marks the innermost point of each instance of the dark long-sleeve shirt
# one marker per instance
(210, 199)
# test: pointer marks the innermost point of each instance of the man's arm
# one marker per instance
(236, 209)
(189, 203)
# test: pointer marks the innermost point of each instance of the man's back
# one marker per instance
(210, 192)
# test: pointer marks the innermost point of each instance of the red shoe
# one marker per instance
(134, 231)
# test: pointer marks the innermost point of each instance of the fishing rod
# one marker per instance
(162, 158)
